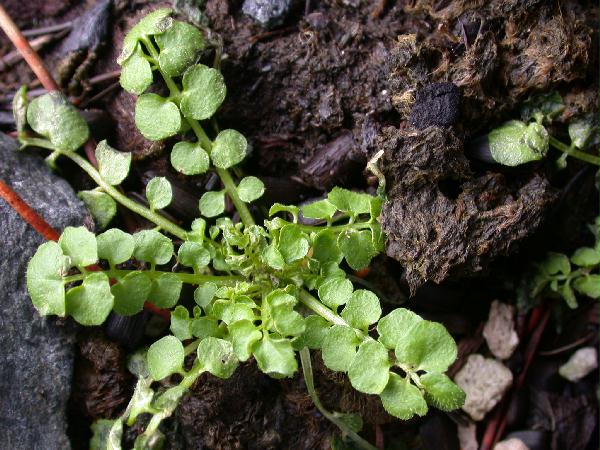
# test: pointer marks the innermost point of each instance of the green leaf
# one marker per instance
(229, 149)
(315, 331)
(91, 302)
(52, 116)
(286, 321)
(193, 254)
(19, 108)
(428, 347)
(165, 291)
(204, 294)
(235, 312)
(244, 335)
(216, 356)
(159, 193)
(586, 257)
(322, 209)
(275, 357)
(362, 310)
(442, 392)
(165, 357)
(339, 347)
(250, 189)
(189, 158)
(101, 205)
(273, 258)
(515, 143)
(588, 285)
(131, 292)
(80, 245)
(580, 131)
(395, 326)
(153, 247)
(115, 246)
(179, 46)
(369, 370)
(402, 399)
(113, 165)
(181, 323)
(136, 73)
(335, 292)
(354, 203)
(212, 203)
(45, 273)
(292, 245)
(154, 23)
(278, 207)
(357, 247)
(101, 434)
(156, 117)
(556, 263)
(203, 92)
(204, 327)
(325, 247)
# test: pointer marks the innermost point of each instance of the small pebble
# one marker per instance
(499, 331)
(511, 444)
(580, 364)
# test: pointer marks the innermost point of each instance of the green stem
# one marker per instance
(152, 216)
(310, 387)
(37, 142)
(574, 152)
(312, 303)
(187, 278)
(206, 143)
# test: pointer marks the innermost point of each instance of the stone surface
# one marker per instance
(511, 444)
(580, 364)
(37, 353)
(499, 331)
(484, 380)
(467, 436)
(269, 13)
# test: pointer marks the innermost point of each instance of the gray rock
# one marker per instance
(485, 381)
(269, 13)
(580, 364)
(499, 331)
(37, 353)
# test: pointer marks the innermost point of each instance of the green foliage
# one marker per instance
(567, 277)
(52, 116)
(255, 285)
(516, 143)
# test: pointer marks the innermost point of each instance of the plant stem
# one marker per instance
(311, 302)
(159, 220)
(574, 152)
(187, 278)
(206, 143)
(310, 387)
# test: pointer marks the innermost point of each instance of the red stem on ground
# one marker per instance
(538, 321)
(29, 54)
(379, 438)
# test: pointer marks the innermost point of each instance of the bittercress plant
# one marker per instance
(264, 291)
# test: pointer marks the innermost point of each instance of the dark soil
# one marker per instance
(316, 98)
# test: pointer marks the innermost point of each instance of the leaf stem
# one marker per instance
(312, 303)
(310, 387)
(187, 278)
(152, 216)
(231, 189)
(574, 152)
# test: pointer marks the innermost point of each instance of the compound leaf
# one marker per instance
(165, 357)
(586, 257)
(80, 245)
(159, 193)
(325, 247)
(228, 149)
(315, 331)
(203, 92)
(427, 347)
(165, 291)
(45, 273)
(275, 357)
(136, 73)
(217, 357)
(442, 392)
(292, 245)
(321, 209)
(113, 165)
(189, 158)
(193, 254)
(204, 294)
(250, 189)
(357, 247)
(131, 292)
(369, 370)
(335, 292)
(178, 46)
(362, 310)
(339, 347)
(101, 205)
(244, 335)
(91, 302)
(115, 246)
(395, 326)
(588, 285)
(212, 203)
(354, 203)
(402, 399)
(156, 117)
(153, 247)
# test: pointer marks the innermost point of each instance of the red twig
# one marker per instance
(379, 438)
(496, 426)
(29, 54)
(27, 213)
